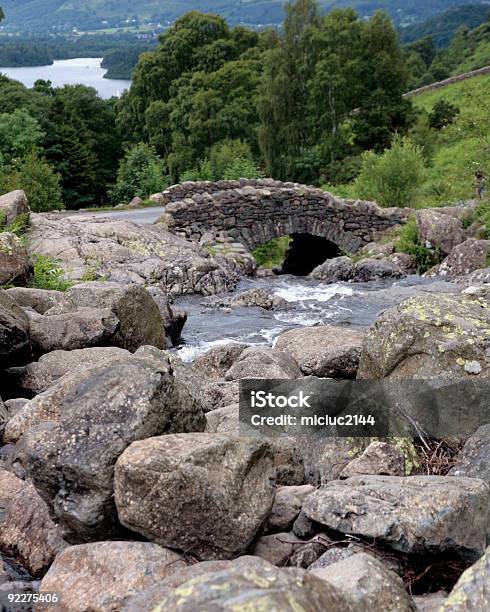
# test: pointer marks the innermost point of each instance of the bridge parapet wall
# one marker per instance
(254, 212)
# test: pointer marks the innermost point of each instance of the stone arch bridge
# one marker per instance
(253, 212)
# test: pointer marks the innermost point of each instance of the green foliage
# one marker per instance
(272, 253)
(19, 226)
(482, 215)
(19, 134)
(393, 177)
(409, 242)
(49, 275)
(443, 114)
(241, 167)
(39, 181)
(460, 149)
(3, 219)
(140, 174)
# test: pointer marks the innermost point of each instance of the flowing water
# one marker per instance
(309, 303)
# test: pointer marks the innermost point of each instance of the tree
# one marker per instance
(39, 181)
(393, 177)
(285, 127)
(19, 134)
(140, 174)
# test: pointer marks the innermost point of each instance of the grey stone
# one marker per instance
(14, 340)
(15, 266)
(324, 351)
(27, 533)
(413, 514)
(260, 362)
(439, 231)
(75, 330)
(14, 204)
(71, 461)
(429, 336)
(285, 510)
(368, 584)
(104, 575)
(379, 458)
(220, 487)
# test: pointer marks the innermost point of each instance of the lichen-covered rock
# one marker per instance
(262, 587)
(14, 340)
(324, 351)
(27, 533)
(261, 362)
(127, 253)
(439, 231)
(365, 270)
(431, 336)
(472, 591)
(102, 576)
(221, 489)
(83, 328)
(71, 461)
(15, 266)
(474, 460)
(368, 584)
(379, 458)
(13, 204)
(140, 321)
(463, 259)
(413, 514)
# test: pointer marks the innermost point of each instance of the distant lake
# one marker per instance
(85, 70)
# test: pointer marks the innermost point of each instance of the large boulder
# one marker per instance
(261, 362)
(474, 460)
(127, 253)
(368, 583)
(140, 321)
(413, 514)
(83, 328)
(12, 205)
(463, 259)
(102, 576)
(218, 360)
(39, 300)
(471, 592)
(27, 533)
(439, 231)
(38, 376)
(431, 336)
(260, 586)
(71, 461)
(258, 297)
(206, 494)
(365, 270)
(15, 266)
(14, 340)
(324, 351)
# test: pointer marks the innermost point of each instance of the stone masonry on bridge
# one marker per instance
(255, 211)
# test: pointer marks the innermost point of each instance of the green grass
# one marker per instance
(461, 148)
(409, 242)
(49, 275)
(271, 254)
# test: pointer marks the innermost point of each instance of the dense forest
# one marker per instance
(318, 101)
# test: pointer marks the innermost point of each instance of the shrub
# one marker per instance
(20, 225)
(49, 275)
(272, 253)
(241, 168)
(140, 173)
(39, 181)
(409, 242)
(443, 113)
(394, 177)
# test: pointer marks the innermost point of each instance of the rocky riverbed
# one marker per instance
(124, 482)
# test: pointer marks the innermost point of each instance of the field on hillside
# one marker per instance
(461, 148)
